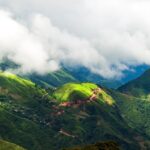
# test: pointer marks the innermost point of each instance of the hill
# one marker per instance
(135, 111)
(21, 112)
(94, 114)
(134, 102)
(72, 114)
(139, 87)
(83, 91)
(54, 79)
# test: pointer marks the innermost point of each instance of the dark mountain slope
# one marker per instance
(139, 87)
(110, 145)
(136, 112)
(54, 79)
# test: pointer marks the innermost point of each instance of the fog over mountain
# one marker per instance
(108, 37)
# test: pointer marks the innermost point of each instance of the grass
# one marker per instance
(18, 88)
(4, 145)
(80, 91)
(73, 91)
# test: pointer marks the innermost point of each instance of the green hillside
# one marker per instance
(139, 87)
(135, 106)
(98, 119)
(135, 112)
(4, 145)
(72, 91)
(54, 79)
(82, 91)
(18, 88)
(35, 120)
(21, 112)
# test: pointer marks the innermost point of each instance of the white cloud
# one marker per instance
(106, 36)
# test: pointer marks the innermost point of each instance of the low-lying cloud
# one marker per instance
(106, 37)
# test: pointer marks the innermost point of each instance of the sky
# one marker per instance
(108, 37)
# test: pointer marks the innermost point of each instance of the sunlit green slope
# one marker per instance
(4, 145)
(94, 120)
(17, 88)
(81, 91)
(21, 112)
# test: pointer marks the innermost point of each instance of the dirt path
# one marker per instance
(93, 97)
(66, 133)
(58, 111)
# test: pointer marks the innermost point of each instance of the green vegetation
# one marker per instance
(135, 106)
(19, 89)
(81, 91)
(135, 112)
(35, 120)
(55, 79)
(72, 91)
(4, 145)
(139, 87)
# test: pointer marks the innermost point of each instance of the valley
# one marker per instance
(71, 114)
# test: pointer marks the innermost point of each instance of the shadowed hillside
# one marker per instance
(98, 146)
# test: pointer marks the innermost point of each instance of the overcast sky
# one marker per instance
(106, 36)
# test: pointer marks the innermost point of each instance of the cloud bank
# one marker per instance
(107, 37)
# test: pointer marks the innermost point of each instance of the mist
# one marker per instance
(107, 37)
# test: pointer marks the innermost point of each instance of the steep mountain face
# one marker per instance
(73, 114)
(54, 79)
(139, 87)
(85, 75)
(134, 103)
(135, 111)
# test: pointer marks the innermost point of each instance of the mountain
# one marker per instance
(139, 87)
(54, 79)
(134, 103)
(94, 117)
(85, 75)
(73, 114)
(135, 111)
(22, 112)
(75, 74)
